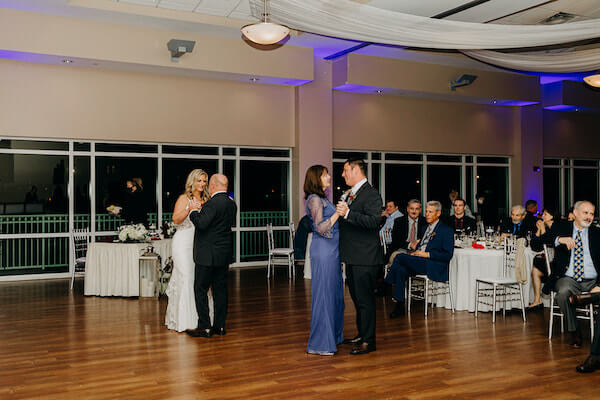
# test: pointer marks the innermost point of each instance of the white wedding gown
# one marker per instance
(181, 310)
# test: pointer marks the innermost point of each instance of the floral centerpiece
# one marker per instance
(133, 233)
(168, 229)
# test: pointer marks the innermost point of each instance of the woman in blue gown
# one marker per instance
(327, 303)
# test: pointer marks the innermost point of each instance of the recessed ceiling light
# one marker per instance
(66, 61)
(379, 91)
(254, 79)
(494, 101)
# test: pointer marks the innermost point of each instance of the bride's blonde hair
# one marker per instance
(191, 180)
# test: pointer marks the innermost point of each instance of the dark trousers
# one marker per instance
(205, 277)
(404, 266)
(595, 349)
(361, 282)
(564, 288)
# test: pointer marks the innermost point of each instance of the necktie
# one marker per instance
(412, 235)
(578, 258)
(425, 240)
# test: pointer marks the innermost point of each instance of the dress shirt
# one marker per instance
(589, 272)
(516, 227)
(427, 236)
(412, 222)
(389, 224)
(353, 191)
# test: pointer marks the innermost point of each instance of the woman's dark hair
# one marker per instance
(551, 211)
(312, 181)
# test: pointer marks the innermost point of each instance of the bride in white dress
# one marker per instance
(181, 310)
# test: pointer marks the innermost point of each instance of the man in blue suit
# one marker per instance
(431, 256)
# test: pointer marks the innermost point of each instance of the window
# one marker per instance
(441, 180)
(552, 189)
(403, 183)
(493, 183)
(34, 179)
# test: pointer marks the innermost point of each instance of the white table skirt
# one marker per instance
(469, 264)
(112, 269)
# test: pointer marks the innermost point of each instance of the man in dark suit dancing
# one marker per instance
(360, 212)
(213, 251)
(576, 266)
(431, 256)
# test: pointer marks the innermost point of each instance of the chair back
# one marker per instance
(292, 234)
(509, 256)
(549, 256)
(80, 239)
(270, 239)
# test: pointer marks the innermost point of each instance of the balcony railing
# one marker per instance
(51, 254)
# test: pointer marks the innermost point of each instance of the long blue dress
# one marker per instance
(327, 303)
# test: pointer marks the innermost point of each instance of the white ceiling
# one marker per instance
(499, 11)
(188, 16)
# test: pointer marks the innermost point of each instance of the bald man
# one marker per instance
(213, 252)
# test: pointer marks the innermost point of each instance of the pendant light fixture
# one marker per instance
(265, 32)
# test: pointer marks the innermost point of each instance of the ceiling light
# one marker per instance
(593, 80)
(494, 101)
(67, 61)
(265, 32)
(379, 91)
(254, 79)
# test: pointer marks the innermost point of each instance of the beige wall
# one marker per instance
(394, 123)
(434, 79)
(571, 134)
(38, 100)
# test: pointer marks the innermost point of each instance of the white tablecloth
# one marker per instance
(469, 264)
(112, 269)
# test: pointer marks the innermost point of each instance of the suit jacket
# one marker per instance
(468, 224)
(359, 233)
(562, 255)
(523, 229)
(400, 232)
(213, 239)
(441, 250)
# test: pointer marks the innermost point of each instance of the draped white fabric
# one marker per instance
(571, 61)
(351, 20)
(112, 269)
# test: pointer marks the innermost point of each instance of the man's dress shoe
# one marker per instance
(363, 348)
(589, 365)
(355, 340)
(206, 333)
(219, 331)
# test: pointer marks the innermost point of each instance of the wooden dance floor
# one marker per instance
(55, 344)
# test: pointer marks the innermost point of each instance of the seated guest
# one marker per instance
(459, 221)
(391, 212)
(576, 265)
(516, 225)
(531, 214)
(539, 271)
(570, 215)
(407, 228)
(431, 256)
(592, 363)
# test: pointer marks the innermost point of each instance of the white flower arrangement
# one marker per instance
(133, 233)
(171, 228)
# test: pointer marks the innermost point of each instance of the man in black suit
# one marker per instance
(407, 228)
(576, 265)
(213, 251)
(516, 224)
(531, 214)
(460, 222)
(360, 212)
